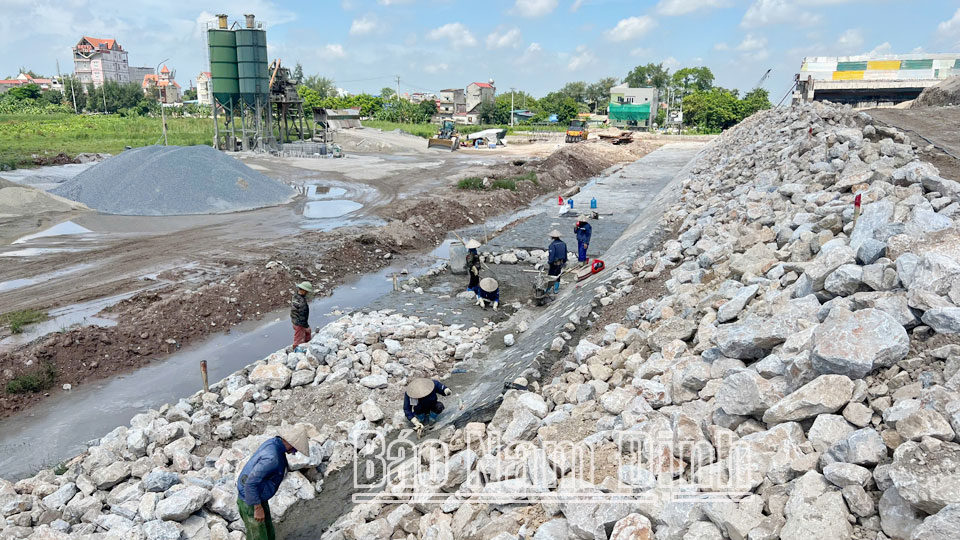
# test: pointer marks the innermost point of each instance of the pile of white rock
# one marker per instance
(799, 379)
(171, 473)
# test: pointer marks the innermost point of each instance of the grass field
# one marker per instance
(429, 130)
(24, 136)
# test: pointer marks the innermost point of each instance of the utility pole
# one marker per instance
(103, 91)
(60, 80)
(511, 105)
(398, 88)
(163, 116)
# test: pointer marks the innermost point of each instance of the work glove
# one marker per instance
(475, 271)
(447, 392)
(496, 305)
(480, 301)
(417, 426)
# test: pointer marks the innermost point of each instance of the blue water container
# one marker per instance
(593, 203)
(570, 202)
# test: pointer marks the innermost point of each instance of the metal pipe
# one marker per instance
(203, 374)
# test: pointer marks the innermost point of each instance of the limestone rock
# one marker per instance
(180, 505)
(927, 476)
(825, 394)
(944, 525)
(815, 510)
(274, 376)
(856, 343)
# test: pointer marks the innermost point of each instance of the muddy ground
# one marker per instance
(939, 126)
(194, 276)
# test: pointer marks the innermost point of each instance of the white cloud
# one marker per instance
(683, 7)
(435, 68)
(458, 35)
(534, 8)
(752, 43)
(641, 51)
(363, 25)
(770, 12)
(333, 50)
(950, 30)
(582, 59)
(577, 4)
(722, 46)
(631, 28)
(509, 38)
(670, 62)
(879, 50)
(851, 39)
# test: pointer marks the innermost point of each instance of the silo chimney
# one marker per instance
(222, 21)
(250, 20)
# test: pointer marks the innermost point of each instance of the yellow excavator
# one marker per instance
(447, 137)
(577, 131)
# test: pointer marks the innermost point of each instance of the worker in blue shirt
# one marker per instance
(556, 258)
(261, 477)
(489, 293)
(583, 230)
(421, 401)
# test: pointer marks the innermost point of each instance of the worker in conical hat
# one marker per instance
(300, 314)
(421, 401)
(556, 258)
(489, 293)
(473, 266)
(583, 230)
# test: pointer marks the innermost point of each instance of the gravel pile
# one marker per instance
(173, 180)
(942, 94)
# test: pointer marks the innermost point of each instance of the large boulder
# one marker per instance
(274, 376)
(745, 392)
(755, 335)
(944, 525)
(825, 394)
(179, 505)
(815, 510)
(855, 343)
(927, 475)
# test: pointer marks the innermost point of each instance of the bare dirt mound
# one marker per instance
(17, 200)
(943, 94)
(173, 180)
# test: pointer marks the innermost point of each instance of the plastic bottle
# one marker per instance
(593, 203)
(570, 202)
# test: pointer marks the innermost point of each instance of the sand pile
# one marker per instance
(173, 180)
(944, 93)
(17, 200)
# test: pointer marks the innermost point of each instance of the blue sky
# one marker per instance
(534, 45)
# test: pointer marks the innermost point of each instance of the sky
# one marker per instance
(532, 45)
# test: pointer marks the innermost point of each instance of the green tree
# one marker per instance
(53, 97)
(428, 108)
(714, 110)
(297, 74)
(387, 93)
(189, 94)
(494, 113)
(693, 79)
(324, 86)
(26, 91)
(576, 90)
(598, 93)
(755, 100)
(649, 75)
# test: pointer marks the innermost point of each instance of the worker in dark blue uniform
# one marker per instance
(556, 258)
(583, 230)
(421, 401)
(473, 266)
(489, 293)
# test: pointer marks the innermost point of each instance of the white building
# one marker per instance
(204, 90)
(98, 60)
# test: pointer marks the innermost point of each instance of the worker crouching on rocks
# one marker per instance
(489, 293)
(556, 258)
(300, 314)
(421, 403)
(261, 477)
(583, 230)
(473, 266)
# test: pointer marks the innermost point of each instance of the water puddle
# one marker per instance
(330, 209)
(33, 252)
(316, 192)
(60, 229)
(26, 282)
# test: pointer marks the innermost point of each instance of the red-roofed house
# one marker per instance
(477, 93)
(169, 89)
(204, 93)
(24, 79)
(98, 60)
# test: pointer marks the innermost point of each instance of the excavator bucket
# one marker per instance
(452, 144)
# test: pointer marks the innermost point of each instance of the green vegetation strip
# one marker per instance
(37, 380)
(510, 183)
(24, 136)
(16, 320)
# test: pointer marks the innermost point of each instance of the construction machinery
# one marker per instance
(447, 137)
(577, 131)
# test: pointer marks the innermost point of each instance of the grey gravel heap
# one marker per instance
(173, 180)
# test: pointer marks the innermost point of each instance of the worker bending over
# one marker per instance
(421, 402)
(489, 293)
(556, 258)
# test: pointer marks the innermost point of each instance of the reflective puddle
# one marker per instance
(330, 209)
(60, 229)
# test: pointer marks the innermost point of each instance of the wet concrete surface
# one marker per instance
(631, 201)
